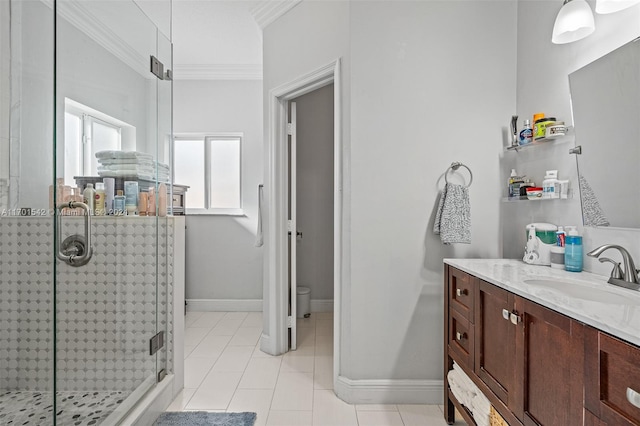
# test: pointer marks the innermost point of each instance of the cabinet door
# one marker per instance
(495, 339)
(612, 379)
(549, 367)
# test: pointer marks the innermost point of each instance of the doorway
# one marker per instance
(311, 206)
(276, 318)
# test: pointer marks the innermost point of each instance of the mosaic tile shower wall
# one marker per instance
(106, 310)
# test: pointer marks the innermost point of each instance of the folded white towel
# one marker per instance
(453, 217)
(123, 154)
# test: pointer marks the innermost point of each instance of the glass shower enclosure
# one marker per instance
(85, 100)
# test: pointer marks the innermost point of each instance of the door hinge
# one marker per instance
(156, 343)
(289, 321)
(290, 128)
(162, 374)
(157, 68)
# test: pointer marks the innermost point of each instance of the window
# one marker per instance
(87, 131)
(211, 166)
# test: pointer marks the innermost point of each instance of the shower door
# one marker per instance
(83, 298)
(112, 100)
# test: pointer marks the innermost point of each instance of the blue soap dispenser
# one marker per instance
(573, 250)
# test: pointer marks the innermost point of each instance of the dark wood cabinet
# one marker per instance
(549, 366)
(612, 379)
(495, 340)
(536, 366)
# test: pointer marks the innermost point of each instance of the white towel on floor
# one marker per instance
(453, 217)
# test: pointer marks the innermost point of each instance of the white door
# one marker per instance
(292, 227)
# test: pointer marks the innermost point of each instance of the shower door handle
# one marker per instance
(75, 250)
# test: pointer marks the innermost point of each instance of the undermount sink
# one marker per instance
(582, 291)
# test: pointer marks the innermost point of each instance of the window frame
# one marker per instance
(207, 139)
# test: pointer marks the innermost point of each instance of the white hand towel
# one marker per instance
(453, 217)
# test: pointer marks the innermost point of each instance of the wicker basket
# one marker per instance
(495, 419)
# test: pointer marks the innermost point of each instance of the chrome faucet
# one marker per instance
(627, 276)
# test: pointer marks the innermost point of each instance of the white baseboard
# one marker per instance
(389, 391)
(321, 305)
(246, 305)
(224, 305)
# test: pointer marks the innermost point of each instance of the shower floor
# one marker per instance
(73, 408)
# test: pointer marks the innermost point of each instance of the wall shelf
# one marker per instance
(525, 199)
(568, 137)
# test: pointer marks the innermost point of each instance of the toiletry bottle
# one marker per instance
(557, 251)
(573, 250)
(515, 182)
(151, 202)
(526, 134)
(514, 130)
(162, 200)
(119, 203)
(89, 198)
(100, 199)
(143, 198)
(131, 197)
(109, 190)
(549, 185)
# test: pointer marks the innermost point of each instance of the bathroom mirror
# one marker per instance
(605, 97)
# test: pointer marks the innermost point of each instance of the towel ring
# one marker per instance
(455, 166)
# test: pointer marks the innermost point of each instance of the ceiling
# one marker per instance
(207, 32)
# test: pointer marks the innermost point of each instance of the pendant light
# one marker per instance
(574, 22)
(610, 6)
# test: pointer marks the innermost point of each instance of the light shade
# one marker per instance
(574, 22)
(610, 6)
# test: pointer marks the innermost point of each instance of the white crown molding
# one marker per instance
(266, 12)
(81, 17)
(217, 72)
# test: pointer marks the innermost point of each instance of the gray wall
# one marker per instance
(314, 131)
(222, 261)
(543, 85)
(426, 83)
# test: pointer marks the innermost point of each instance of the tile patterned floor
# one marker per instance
(226, 371)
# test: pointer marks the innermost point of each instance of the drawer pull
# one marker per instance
(461, 292)
(506, 314)
(460, 336)
(633, 397)
(515, 319)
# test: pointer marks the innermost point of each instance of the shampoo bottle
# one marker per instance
(89, 198)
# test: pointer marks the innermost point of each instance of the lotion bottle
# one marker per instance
(89, 198)
(100, 199)
(573, 250)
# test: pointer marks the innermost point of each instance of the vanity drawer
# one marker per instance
(461, 292)
(612, 379)
(461, 339)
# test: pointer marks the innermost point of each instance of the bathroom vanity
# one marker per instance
(545, 346)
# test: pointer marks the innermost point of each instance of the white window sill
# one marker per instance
(215, 212)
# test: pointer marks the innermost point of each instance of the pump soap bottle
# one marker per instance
(573, 250)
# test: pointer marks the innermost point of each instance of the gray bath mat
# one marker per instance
(203, 418)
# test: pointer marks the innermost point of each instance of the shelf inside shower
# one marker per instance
(73, 408)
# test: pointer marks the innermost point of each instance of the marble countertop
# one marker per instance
(583, 296)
